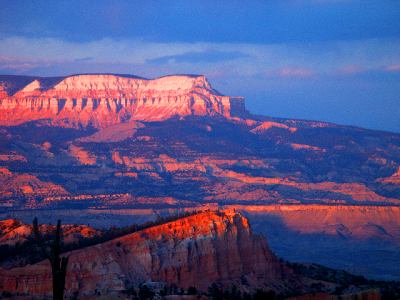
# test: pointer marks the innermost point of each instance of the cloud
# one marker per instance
(296, 72)
(45, 56)
(350, 70)
(359, 70)
(87, 58)
(300, 79)
(209, 56)
(18, 65)
(288, 72)
(393, 68)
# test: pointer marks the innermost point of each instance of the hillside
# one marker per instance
(124, 137)
(104, 142)
(196, 251)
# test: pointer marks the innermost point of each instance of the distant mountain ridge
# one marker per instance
(175, 136)
(101, 100)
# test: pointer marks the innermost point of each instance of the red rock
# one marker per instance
(14, 185)
(103, 100)
(267, 125)
(194, 251)
(393, 179)
(13, 231)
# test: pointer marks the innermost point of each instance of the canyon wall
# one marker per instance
(101, 100)
(194, 251)
(347, 221)
(362, 240)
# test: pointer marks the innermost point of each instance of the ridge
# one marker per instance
(104, 99)
(198, 250)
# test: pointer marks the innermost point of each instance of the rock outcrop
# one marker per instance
(14, 232)
(14, 186)
(196, 251)
(101, 100)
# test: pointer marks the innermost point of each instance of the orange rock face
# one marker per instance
(13, 231)
(267, 125)
(194, 251)
(81, 155)
(13, 186)
(103, 100)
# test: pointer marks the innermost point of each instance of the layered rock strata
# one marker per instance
(194, 251)
(101, 100)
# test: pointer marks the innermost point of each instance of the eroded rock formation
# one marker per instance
(194, 251)
(13, 231)
(101, 100)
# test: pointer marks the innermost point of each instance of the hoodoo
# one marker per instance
(101, 100)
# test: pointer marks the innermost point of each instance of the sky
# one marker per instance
(331, 60)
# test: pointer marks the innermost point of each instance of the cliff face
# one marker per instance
(346, 221)
(347, 237)
(102, 100)
(195, 251)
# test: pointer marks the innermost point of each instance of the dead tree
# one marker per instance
(52, 250)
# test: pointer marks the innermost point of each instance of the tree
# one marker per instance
(215, 292)
(58, 264)
(192, 290)
(145, 293)
(263, 295)
(235, 293)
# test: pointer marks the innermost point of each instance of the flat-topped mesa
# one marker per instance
(101, 100)
(195, 251)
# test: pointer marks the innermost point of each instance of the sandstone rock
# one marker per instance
(393, 179)
(13, 231)
(102, 100)
(14, 185)
(267, 125)
(194, 251)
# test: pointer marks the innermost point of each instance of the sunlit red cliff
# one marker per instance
(213, 247)
(195, 251)
(101, 100)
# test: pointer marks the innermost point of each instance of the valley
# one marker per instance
(107, 150)
(363, 240)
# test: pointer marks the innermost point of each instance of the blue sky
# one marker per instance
(333, 60)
